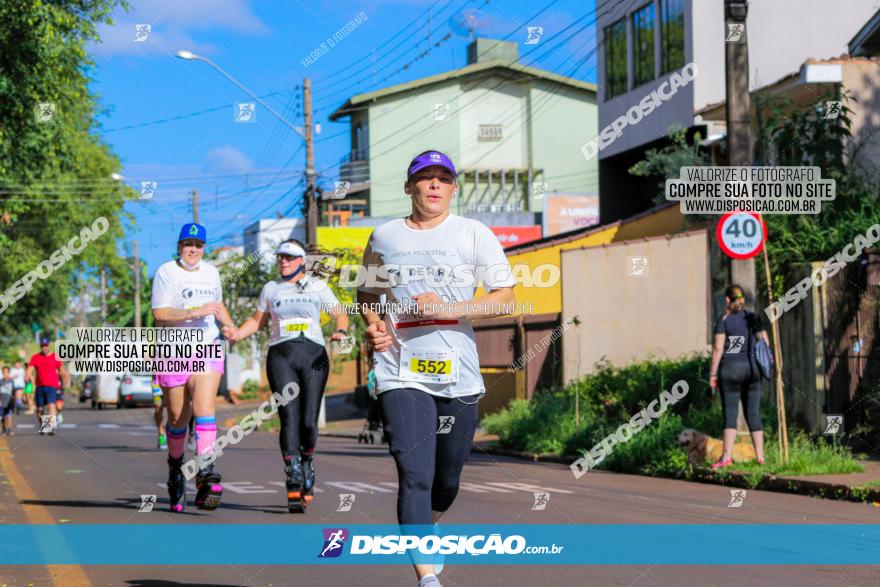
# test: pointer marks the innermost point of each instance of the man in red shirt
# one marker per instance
(44, 370)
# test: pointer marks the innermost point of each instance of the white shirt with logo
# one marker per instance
(295, 308)
(437, 356)
(17, 375)
(175, 287)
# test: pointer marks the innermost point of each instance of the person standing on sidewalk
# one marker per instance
(735, 371)
(425, 353)
(47, 373)
(17, 375)
(7, 401)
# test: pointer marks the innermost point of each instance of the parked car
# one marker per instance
(88, 385)
(135, 390)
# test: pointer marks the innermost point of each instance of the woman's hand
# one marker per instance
(230, 333)
(713, 382)
(378, 337)
(429, 304)
(206, 310)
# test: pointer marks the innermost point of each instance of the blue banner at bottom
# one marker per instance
(575, 544)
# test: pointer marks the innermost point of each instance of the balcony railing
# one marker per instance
(497, 190)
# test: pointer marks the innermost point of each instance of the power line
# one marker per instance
(181, 116)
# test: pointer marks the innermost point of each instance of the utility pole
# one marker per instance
(103, 296)
(196, 206)
(739, 132)
(137, 287)
(311, 203)
(82, 300)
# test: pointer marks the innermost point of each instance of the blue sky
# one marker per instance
(171, 121)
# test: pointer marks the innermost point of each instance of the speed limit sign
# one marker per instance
(741, 235)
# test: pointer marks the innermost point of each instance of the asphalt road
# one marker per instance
(100, 463)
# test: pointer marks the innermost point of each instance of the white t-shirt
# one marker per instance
(17, 376)
(435, 356)
(295, 308)
(175, 287)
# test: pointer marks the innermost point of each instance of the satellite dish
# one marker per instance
(466, 22)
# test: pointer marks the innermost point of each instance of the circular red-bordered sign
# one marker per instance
(741, 235)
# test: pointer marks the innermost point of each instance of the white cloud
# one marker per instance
(227, 159)
(172, 23)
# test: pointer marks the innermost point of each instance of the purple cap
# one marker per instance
(429, 159)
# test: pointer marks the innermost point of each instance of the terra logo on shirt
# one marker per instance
(188, 293)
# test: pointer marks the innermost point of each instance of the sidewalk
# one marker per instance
(850, 487)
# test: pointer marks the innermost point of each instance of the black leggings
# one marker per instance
(306, 364)
(429, 463)
(740, 381)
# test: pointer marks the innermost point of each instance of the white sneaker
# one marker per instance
(59, 419)
(440, 558)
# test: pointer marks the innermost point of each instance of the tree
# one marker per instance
(788, 136)
(55, 171)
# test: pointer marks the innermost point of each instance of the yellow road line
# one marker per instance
(62, 575)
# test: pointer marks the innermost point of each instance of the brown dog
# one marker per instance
(702, 448)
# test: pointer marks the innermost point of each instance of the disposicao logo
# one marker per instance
(334, 542)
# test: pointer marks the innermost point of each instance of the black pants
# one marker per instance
(430, 449)
(739, 380)
(306, 364)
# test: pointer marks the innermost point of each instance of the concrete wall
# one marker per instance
(563, 119)
(546, 300)
(861, 79)
(663, 313)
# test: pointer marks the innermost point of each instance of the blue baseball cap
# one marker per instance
(193, 231)
(428, 159)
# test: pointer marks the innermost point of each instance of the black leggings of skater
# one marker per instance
(306, 364)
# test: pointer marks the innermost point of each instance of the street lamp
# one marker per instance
(311, 205)
(190, 56)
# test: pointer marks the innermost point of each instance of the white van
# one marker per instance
(106, 390)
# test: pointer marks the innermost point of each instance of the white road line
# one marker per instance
(284, 486)
(480, 488)
(357, 486)
(528, 487)
(25, 426)
(108, 425)
(245, 487)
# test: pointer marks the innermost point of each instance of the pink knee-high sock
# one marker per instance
(176, 442)
(206, 433)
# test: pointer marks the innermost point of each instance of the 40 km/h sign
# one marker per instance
(741, 235)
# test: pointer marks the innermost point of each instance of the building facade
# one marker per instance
(512, 130)
(643, 44)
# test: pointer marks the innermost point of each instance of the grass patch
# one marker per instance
(612, 395)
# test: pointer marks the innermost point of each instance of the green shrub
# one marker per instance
(610, 396)
(249, 389)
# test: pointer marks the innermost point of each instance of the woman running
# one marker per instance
(187, 294)
(293, 303)
(426, 362)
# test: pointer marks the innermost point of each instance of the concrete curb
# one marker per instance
(769, 482)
